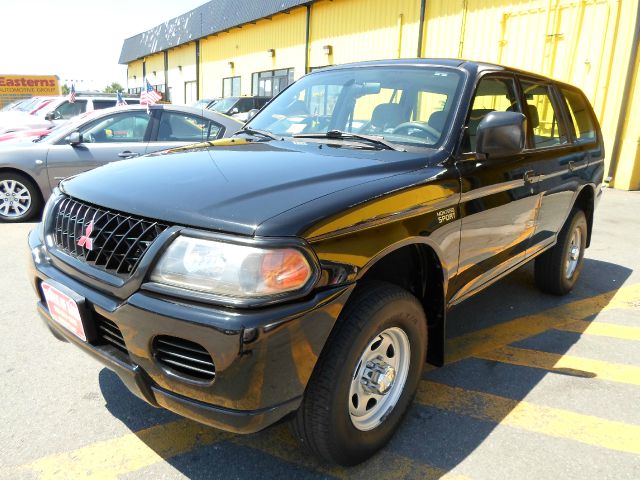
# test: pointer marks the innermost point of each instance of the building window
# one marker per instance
(271, 82)
(190, 92)
(231, 87)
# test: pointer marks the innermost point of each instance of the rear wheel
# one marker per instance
(366, 376)
(19, 198)
(557, 270)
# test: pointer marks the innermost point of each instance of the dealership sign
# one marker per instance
(16, 87)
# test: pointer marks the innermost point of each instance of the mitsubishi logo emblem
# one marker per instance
(85, 240)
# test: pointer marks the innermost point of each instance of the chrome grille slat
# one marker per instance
(186, 366)
(109, 333)
(118, 240)
(184, 357)
(135, 242)
(187, 357)
(163, 340)
(122, 239)
(113, 339)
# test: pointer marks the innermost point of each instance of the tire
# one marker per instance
(328, 422)
(557, 270)
(19, 198)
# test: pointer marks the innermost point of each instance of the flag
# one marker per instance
(72, 94)
(149, 96)
(119, 100)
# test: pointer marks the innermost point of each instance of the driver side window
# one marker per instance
(121, 127)
(68, 110)
(493, 94)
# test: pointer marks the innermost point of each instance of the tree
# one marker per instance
(115, 87)
(65, 90)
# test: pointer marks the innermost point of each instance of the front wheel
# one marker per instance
(19, 198)
(366, 376)
(557, 270)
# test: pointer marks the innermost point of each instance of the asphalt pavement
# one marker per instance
(535, 387)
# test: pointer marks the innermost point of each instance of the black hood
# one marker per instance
(235, 187)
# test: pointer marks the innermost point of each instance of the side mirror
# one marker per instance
(50, 115)
(74, 138)
(252, 113)
(234, 110)
(501, 134)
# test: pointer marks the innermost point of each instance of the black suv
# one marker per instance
(238, 107)
(304, 267)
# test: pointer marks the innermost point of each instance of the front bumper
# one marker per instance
(263, 357)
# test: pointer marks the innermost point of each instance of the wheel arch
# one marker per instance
(414, 264)
(585, 200)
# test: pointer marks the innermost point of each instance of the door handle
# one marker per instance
(528, 176)
(127, 154)
(571, 165)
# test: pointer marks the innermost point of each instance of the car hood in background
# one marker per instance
(12, 121)
(234, 187)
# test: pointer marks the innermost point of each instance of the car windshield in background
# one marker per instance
(224, 105)
(405, 105)
(27, 105)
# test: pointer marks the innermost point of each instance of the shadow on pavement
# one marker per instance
(435, 437)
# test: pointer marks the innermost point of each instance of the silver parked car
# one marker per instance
(30, 169)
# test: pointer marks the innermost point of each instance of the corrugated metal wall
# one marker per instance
(181, 69)
(247, 48)
(134, 74)
(154, 65)
(583, 42)
(363, 30)
(586, 43)
(628, 171)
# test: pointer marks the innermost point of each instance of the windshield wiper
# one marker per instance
(339, 134)
(255, 131)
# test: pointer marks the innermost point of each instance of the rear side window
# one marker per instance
(260, 102)
(580, 116)
(179, 127)
(68, 110)
(101, 104)
(548, 130)
(244, 105)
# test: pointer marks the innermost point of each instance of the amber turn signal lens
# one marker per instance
(285, 269)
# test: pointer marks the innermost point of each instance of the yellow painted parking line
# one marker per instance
(494, 337)
(527, 416)
(578, 366)
(603, 329)
(110, 458)
(278, 442)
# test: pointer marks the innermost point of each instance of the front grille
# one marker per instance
(109, 333)
(184, 356)
(111, 241)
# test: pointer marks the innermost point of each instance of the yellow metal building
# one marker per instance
(257, 47)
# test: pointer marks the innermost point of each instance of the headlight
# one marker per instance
(231, 270)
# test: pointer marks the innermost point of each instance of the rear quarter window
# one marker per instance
(100, 104)
(580, 114)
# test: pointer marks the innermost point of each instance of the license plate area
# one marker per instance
(66, 307)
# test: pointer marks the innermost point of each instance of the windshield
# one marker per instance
(203, 102)
(12, 106)
(224, 105)
(406, 105)
(27, 105)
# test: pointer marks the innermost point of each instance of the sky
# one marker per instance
(77, 40)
